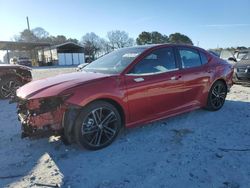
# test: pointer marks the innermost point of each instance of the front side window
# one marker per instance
(189, 58)
(159, 61)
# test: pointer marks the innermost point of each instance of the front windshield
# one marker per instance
(114, 62)
(246, 57)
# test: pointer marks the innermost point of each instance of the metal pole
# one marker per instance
(28, 23)
(8, 57)
(50, 54)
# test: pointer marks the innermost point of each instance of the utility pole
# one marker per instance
(28, 23)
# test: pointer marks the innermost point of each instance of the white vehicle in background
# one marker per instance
(228, 56)
(233, 57)
(239, 54)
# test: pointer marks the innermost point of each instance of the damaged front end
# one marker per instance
(42, 116)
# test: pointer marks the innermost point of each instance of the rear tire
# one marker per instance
(8, 87)
(216, 96)
(97, 125)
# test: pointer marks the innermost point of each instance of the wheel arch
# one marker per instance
(117, 105)
(221, 80)
(209, 105)
(116, 100)
(205, 99)
(73, 112)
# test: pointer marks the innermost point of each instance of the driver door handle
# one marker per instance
(175, 77)
(139, 79)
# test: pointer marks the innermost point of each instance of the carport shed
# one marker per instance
(22, 46)
(64, 54)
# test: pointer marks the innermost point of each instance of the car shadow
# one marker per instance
(139, 157)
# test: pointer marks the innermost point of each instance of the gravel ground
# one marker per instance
(197, 149)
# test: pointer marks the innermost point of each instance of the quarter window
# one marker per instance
(189, 58)
(160, 60)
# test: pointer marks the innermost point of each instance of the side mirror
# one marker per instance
(232, 59)
(81, 66)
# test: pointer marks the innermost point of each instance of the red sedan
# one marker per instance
(125, 88)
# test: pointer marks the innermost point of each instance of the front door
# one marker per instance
(154, 85)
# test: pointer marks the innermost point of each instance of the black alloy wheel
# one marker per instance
(8, 87)
(97, 125)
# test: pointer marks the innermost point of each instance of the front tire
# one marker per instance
(97, 125)
(216, 96)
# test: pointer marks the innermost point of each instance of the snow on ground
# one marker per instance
(44, 72)
(183, 151)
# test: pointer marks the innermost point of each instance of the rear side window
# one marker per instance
(189, 58)
(204, 59)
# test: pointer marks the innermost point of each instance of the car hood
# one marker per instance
(53, 86)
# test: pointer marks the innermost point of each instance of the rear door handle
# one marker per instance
(139, 79)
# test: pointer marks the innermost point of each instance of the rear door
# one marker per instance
(195, 75)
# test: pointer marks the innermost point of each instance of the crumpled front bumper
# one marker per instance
(40, 117)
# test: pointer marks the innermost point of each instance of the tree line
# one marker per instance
(95, 46)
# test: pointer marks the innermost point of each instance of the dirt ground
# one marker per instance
(197, 149)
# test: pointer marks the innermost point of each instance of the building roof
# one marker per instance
(69, 47)
(68, 44)
(11, 45)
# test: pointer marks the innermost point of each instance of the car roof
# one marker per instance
(147, 46)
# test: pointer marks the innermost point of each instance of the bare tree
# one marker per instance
(92, 44)
(40, 33)
(26, 36)
(119, 39)
(105, 47)
(59, 39)
(73, 40)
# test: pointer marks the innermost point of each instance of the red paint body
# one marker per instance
(157, 97)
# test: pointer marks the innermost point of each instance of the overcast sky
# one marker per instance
(209, 23)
